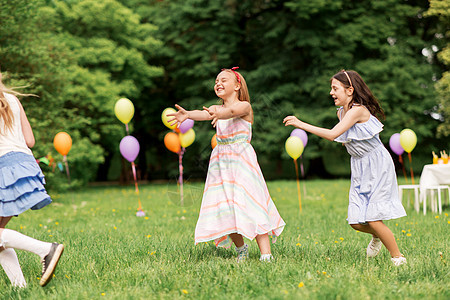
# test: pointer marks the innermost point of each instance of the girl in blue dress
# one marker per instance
(21, 188)
(373, 195)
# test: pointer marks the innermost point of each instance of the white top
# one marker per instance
(13, 140)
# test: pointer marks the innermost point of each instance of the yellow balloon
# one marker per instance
(294, 147)
(408, 139)
(164, 117)
(124, 110)
(186, 139)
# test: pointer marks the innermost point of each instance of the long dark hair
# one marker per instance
(361, 92)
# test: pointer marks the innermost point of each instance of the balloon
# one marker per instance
(129, 148)
(165, 118)
(62, 143)
(408, 139)
(124, 110)
(214, 141)
(172, 142)
(186, 139)
(294, 147)
(394, 143)
(301, 134)
(186, 125)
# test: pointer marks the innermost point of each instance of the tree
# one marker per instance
(442, 10)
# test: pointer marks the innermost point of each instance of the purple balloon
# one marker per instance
(301, 134)
(129, 148)
(186, 125)
(394, 143)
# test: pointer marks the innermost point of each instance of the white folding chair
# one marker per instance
(416, 189)
(436, 206)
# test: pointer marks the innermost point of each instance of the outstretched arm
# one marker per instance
(239, 109)
(181, 115)
(26, 127)
(353, 116)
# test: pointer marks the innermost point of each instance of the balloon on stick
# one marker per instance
(294, 147)
(408, 140)
(63, 142)
(301, 134)
(304, 137)
(214, 141)
(186, 139)
(124, 110)
(186, 125)
(172, 142)
(165, 119)
(129, 148)
(396, 147)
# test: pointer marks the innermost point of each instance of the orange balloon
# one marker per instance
(172, 142)
(62, 143)
(214, 141)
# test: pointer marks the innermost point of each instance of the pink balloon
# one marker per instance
(394, 143)
(301, 134)
(129, 148)
(186, 125)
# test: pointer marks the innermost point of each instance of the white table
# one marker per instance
(432, 176)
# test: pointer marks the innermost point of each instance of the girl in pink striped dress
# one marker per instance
(236, 202)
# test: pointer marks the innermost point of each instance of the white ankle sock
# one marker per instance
(266, 257)
(10, 263)
(16, 240)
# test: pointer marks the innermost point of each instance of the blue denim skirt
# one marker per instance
(21, 184)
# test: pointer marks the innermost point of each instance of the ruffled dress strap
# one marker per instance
(361, 131)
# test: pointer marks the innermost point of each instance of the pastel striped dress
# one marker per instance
(236, 198)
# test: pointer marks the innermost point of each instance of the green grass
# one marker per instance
(112, 254)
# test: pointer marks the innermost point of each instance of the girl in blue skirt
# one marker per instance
(21, 188)
(373, 196)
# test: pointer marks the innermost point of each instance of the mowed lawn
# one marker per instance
(112, 254)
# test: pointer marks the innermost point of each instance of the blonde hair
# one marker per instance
(6, 113)
(243, 94)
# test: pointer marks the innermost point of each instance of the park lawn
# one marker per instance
(112, 254)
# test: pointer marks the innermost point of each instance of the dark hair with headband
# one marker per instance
(361, 92)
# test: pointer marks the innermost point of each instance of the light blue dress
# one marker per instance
(373, 191)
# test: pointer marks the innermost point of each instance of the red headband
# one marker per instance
(235, 73)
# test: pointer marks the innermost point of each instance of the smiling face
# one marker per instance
(341, 95)
(226, 85)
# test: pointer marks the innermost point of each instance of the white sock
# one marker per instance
(16, 240)
(265, 257)
(10, 263)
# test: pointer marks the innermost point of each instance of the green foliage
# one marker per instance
(112, 254)
(288, 50)
(80, 57)
(442, 9)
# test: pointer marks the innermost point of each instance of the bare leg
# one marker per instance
(364, 228)
(263, 243)
(237, 239)
(386, 236)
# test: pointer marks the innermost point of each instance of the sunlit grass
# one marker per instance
(111, 254)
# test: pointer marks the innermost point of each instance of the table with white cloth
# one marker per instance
(433, 175)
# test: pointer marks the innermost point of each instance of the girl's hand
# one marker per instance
(179, 117)
(212, 112)
(292, 120)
